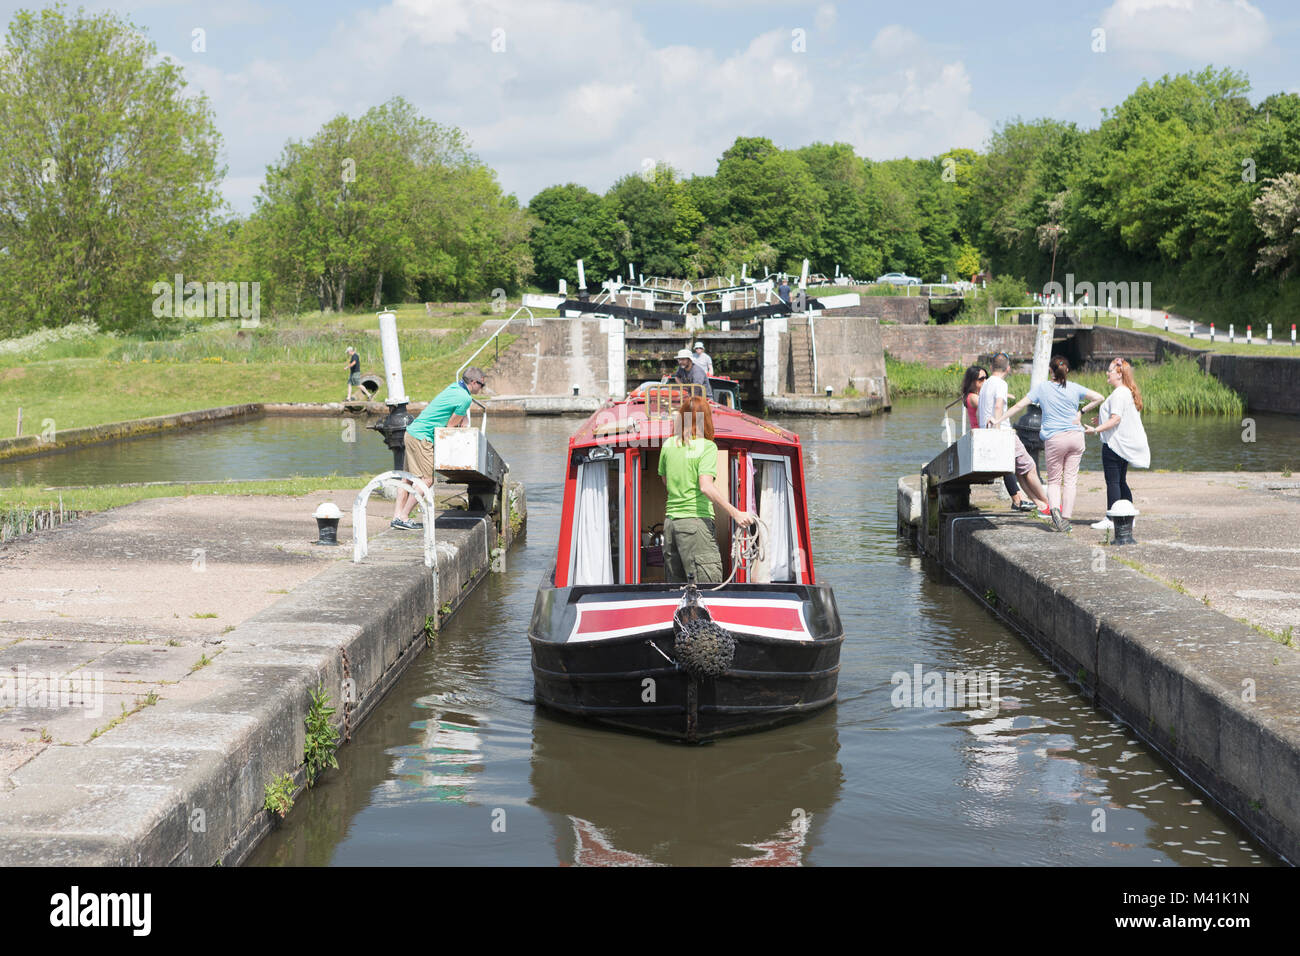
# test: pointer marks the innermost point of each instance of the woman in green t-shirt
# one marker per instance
(688, 464)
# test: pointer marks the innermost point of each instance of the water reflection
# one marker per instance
(749, 800)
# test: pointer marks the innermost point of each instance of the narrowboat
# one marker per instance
(614, 642)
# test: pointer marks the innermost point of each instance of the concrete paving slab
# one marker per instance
(125, 598)
(50, 657)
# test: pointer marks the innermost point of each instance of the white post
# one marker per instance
(1270, 333)
(1191, 328)
(582, 276)
(1232, 332)
(803, 275)
(564, 288)
(1042, 348)
(392, 358)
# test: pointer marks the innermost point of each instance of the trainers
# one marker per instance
(405, 525)
(1105, 524)
(1059, 522)
(1025, 506)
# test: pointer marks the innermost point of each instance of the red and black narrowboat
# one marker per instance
(613, 642)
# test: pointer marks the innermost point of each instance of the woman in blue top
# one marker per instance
(1062, 436)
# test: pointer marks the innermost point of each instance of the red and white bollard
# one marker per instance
(1247, 334)
(1211, 332)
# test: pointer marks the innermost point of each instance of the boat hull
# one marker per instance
(606, 655)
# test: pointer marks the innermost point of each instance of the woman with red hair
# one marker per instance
(688, 464)
(1124, 440)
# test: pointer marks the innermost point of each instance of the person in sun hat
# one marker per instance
(702, 358)
(689, 373)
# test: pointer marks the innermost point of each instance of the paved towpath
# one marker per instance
(1232, 538)
(130, 602)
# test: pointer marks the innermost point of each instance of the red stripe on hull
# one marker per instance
(592, 620)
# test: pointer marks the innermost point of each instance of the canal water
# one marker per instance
(277, 447)
(458, 767)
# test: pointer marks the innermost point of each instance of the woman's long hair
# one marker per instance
(1060, 369)
(971, 378)
(693, 420)
(1127, 380)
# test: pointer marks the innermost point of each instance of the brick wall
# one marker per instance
(941, 345)
(903, 309)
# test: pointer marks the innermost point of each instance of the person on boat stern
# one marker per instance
(688, 464)
(702, 358)
(689, 373)
(448, 409)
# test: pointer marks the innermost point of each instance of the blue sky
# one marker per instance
(589, 90)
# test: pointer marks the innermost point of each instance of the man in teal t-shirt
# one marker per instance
(447, 410)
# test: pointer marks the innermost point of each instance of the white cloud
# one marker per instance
(1204, 30)
(581, 93)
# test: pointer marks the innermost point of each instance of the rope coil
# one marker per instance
(748, 547)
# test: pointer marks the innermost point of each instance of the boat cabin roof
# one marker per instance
(647, 415)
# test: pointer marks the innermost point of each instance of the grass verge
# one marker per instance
(103, 497)
(1176, 387)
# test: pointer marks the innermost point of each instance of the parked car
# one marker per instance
(897, 278)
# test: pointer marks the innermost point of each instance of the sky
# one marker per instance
(587, 91)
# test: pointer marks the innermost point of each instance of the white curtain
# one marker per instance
(774, 510)
(591, 563)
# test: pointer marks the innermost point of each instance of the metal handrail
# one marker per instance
(490, 338)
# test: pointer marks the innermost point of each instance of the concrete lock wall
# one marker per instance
(549, 358)
(1268, 383)
(850, 353)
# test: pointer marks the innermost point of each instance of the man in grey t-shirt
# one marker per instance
(688, 373)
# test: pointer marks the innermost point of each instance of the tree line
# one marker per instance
(1184, 183)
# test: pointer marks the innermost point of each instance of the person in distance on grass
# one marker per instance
(449, 409)
(354, 371)
(992, 410)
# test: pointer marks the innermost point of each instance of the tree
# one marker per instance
(773, 195)
(574, 223)
(388, 202)
(661, 219)
(1277, 213)
(108, 170)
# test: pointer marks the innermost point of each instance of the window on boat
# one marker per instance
(771, 488)
(598, 523)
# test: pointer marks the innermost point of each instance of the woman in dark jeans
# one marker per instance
(1124, 440)
(971, 384)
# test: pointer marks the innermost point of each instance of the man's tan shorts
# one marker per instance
(419, 458)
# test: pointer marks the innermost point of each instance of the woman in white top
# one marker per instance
(1124, 440)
